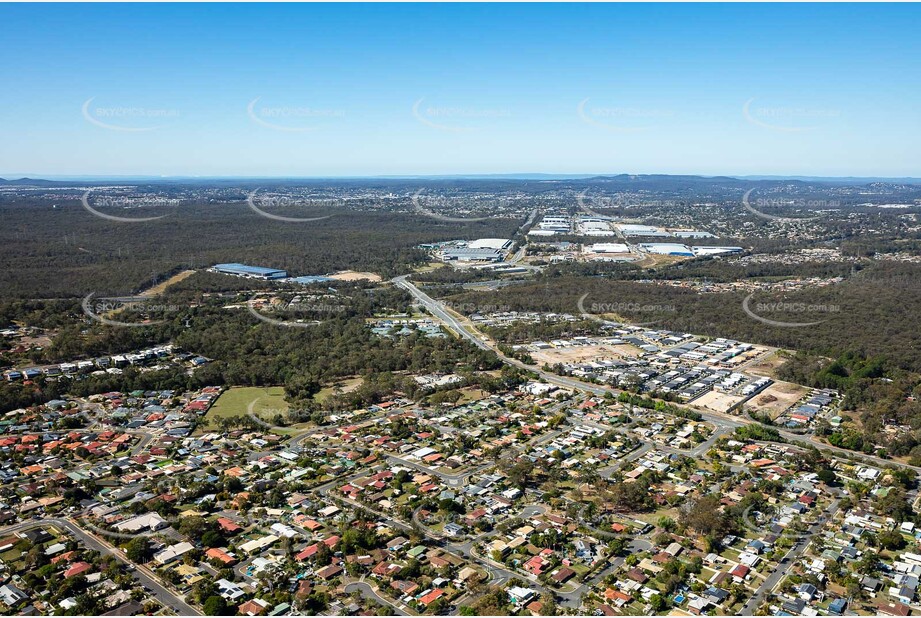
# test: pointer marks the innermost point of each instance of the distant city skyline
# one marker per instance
(375, 90)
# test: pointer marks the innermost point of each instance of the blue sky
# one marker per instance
(345, 90)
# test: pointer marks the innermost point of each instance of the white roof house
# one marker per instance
(173, 552)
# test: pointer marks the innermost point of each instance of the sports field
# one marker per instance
(266, 401)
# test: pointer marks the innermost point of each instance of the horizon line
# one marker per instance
(510, 176)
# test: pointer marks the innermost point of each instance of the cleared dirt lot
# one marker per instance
(717, 401)
(579, 353)
(776, 398)
(351, 275)
(767, 365)
(161, 287)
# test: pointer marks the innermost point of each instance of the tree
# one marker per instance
(631, 497)
(204, 590)
(666, 523)
(193, 527)
(138, 550)
(658, 603)
(215, 605)
(705, 516)
(438, 607)
(891, 539)
(548, 604)
(894, 504)
(519, 474)
(212, 538)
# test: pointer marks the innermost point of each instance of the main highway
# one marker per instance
(723, 422)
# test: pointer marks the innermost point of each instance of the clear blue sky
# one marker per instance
(332, 90)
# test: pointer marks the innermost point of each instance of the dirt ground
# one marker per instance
(775, 399)
(347, 385)
(161, 287)
(627, 257)
(578, 353)
(351, 275)
(766, 366)
(717, 401)
(654, 260)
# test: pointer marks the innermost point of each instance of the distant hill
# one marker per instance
(636, 180)
(856, 180)
(32, 182)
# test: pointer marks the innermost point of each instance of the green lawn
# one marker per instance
(266, 402)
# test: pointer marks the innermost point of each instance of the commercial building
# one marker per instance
(667, 248)
(553, 224)
(497, 244)
(468, 254)
(607, 247)
(716, 250)
(310, 279)
(692, 234)
(252, 272)
(632, 229)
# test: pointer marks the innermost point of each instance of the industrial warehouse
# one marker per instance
(250, 272)
(482, 250)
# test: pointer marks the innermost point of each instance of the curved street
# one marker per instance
(167, 597)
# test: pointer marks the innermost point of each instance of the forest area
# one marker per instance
(869, 349)
(62, 251)
(248, 352)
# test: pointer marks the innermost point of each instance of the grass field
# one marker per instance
(266, 402)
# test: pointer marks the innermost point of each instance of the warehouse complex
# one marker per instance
(481, 250)
(251, 272)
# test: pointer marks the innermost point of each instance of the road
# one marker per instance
(466, 330)
(167, 597)
(722, 422)
(295, 440)
(368, 592)
(608, 471)
(788, 560)
(498, 573)
(437, 309)
(450, 479)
